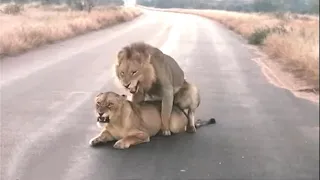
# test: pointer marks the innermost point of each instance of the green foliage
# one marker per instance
(315, 7)
(259, 35)
(264, 6)
(296, 6)
(145, 2)
(12, 9)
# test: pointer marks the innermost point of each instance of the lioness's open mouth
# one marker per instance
(103, 119)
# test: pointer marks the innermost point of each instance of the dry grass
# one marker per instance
(296, 47)
(36, 25)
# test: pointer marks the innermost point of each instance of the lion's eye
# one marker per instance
(110, 104)
(122, 73)
(98, 103)
(134, 72)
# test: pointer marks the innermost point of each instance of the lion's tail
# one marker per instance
(200, 122)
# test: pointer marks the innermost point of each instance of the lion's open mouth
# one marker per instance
(103, 119)
(135, 89)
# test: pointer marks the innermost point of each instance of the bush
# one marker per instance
(259, 35)
(12, 9)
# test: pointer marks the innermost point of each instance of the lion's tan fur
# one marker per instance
(132, 123)
(137, 57)
(149, 73)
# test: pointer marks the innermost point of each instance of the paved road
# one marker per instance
(47, 120)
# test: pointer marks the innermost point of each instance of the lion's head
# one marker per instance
(134, 69)
(107, 104)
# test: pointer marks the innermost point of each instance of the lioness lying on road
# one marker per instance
(131, 123)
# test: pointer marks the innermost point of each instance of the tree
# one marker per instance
(314, 6)
(264, 6)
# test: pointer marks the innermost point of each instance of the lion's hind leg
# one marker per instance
(188, 99)
(178, 122)
(191, 128)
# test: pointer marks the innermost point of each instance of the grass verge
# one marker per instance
(31, 25)
(292, 40)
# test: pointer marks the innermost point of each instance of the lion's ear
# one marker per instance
(123, 54)
(123, 96)
(97, 96)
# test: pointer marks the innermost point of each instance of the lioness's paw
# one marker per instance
(121, 145)
(147, 140)
(166, 132)
(191, 129)
(100, 125)
(93, 141)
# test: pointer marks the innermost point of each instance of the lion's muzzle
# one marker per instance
(133, 88)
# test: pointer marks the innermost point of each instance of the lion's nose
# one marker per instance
(127, 85)
(100, 114)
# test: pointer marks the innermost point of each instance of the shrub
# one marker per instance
(259, 35)
(12, 9)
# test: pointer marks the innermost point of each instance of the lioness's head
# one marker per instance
(134, 69)
(107, 104)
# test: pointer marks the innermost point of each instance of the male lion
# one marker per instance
(147, 72)
(130, 123)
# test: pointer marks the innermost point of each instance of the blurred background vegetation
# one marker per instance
(294, 6)
(74, 4)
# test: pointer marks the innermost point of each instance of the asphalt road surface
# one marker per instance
(47, 117)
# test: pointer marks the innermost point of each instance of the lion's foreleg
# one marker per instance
(132, 139)
(166, 109)
(103, 137)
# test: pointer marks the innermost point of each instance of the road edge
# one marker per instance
(270, 69)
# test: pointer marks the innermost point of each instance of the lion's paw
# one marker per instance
(166, 132)
(93, 141)
(121, 145)
(191, 129)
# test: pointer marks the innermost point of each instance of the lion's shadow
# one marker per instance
(182, 141)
